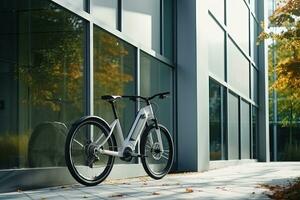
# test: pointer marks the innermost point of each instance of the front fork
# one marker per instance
(158, 135)
(155, 123)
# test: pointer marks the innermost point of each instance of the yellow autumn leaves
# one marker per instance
(55, 77)
(284, 59)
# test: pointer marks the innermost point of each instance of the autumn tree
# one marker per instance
(285, 33)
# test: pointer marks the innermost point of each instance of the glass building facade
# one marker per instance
(58, 57)
(233, 86)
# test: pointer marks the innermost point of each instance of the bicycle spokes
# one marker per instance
(87, 161)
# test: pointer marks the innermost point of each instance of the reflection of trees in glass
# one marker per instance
(50, 78)
(114, 69)
(215, 121)
(109, 75)
(55, 74)
(13, 149)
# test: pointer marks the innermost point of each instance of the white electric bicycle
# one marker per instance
(92, 144)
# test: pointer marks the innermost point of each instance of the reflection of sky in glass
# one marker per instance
(217, 8)
(76, 3)
(216, 49)
(238, 69)
(105, 11)
(141, 21)
(238, 22)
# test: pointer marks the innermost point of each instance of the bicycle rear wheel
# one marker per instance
(85, 164)
(157, 160)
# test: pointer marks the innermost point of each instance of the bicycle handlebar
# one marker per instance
(160, 95)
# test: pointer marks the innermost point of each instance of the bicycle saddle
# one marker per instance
(110, 97)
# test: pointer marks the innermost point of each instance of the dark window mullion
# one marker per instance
(240, 126)
(223, 157)
(162, 31)
(89, 69)
(87, 6)
(120, 12)
(251, 132)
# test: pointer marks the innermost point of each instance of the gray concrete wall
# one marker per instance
(192, 86)
(263, 93)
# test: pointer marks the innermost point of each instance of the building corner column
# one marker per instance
(263, 115)
(192, 86)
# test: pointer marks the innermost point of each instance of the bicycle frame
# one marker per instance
(144, 115)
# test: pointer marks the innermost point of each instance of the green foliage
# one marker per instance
(284, 59)
(54, 73)
(109, 52)
(291, 152)
(13, 149)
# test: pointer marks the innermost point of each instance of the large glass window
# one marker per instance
(114, 74)
(81, 4)
(237, 69)
(238, 22)
(105, 11)
(254, 35)
(245, 130)
(156, 77)
(217, 136)
(217, 8)
(216, 49)
(253, 5)
(233, 127)
(141, 21)
(254, 141)
(41, 85)
(254, 84)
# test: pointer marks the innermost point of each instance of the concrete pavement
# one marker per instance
(236, 182)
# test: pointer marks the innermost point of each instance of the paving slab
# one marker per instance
(235, 182)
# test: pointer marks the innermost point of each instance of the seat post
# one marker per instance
(114, 109)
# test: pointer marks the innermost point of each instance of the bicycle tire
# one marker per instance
(150, 159)
(77, 171)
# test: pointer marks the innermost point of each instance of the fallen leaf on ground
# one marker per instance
(289, 191)
(189, 190)
(221, 188)
(117, 195)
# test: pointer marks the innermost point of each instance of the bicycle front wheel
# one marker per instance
(157, 157)
(84, 162)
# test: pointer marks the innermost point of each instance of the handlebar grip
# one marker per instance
(164, 95)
